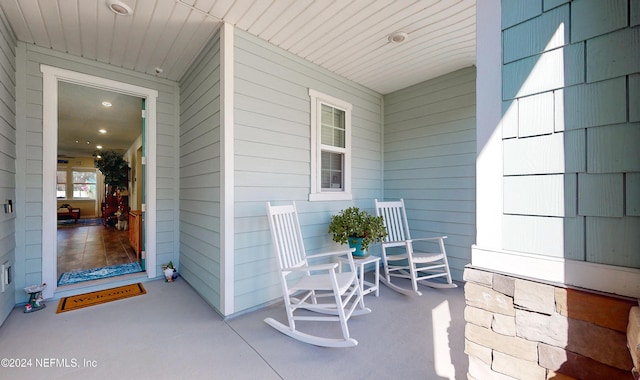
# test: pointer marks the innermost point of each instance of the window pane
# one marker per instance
(84, 190)
(338, 118)
(61, 191)
(333, 126)
(84, 184)
(338, 138)
(61, 176)
(327, 115)
(327, 135)
(331, 170)
(84, 177)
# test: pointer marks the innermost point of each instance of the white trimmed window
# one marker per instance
(61, 183)
(330, 148)
(84, 183)
(76, 183)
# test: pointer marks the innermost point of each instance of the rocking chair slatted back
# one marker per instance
(395, 221)
(287, 237)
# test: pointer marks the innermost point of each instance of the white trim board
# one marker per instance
(50, 78)
(227, 200)
(600, 277)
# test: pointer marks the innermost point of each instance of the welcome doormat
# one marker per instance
(102, 296)
(98, 273)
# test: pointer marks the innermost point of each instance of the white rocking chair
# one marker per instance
(303, 283)
(419, 267)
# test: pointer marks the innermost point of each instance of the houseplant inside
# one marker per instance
(114, 168)
(358, 228)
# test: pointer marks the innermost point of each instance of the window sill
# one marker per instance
(337, 196)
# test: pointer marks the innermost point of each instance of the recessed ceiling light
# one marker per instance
(398, 37)
(98, 146)
(106, 104)
(103, 131)
(119, 8)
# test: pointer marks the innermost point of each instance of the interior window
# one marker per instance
(61, 184)
(84, 184)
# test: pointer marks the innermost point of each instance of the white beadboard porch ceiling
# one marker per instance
(347, 37)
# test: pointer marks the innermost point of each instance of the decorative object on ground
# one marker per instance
(36, 302)
(98, 273)
(170, 272)
(102, 296)
(123, 219)
(358, 228)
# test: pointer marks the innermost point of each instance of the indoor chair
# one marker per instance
(305, 284)
(399, 257)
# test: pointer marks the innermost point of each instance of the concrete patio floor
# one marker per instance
(170, 333)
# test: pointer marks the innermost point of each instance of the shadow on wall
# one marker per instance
(569, 143)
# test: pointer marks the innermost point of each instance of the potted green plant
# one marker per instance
(358, 228)
(114, 168)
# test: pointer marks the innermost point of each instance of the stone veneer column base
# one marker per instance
(633, 339)
(519, 328)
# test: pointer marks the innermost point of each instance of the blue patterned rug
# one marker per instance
(98, 273)
(69, 223)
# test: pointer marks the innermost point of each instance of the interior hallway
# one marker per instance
(170, 333)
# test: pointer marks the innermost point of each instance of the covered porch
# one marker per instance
(170, 332)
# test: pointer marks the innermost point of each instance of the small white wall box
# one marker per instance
(5, 276)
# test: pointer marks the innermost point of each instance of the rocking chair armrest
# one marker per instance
(395, 243)
(408, 242)
(327, 266)
(332, 253)
(430, 238)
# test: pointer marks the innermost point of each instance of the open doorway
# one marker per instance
(96, 202)
(54, 80)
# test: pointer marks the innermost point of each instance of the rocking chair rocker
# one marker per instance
(303, 283)
(419, 267)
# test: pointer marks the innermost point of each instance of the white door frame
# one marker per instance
(50, 78)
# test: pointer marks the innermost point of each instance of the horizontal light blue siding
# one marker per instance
(429, 159)
(8, 155)
(29, 188)
(200, 174)
(273, 157)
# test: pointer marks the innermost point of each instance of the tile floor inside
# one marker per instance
(87, 247)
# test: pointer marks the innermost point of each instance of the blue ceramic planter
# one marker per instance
(356, 242)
